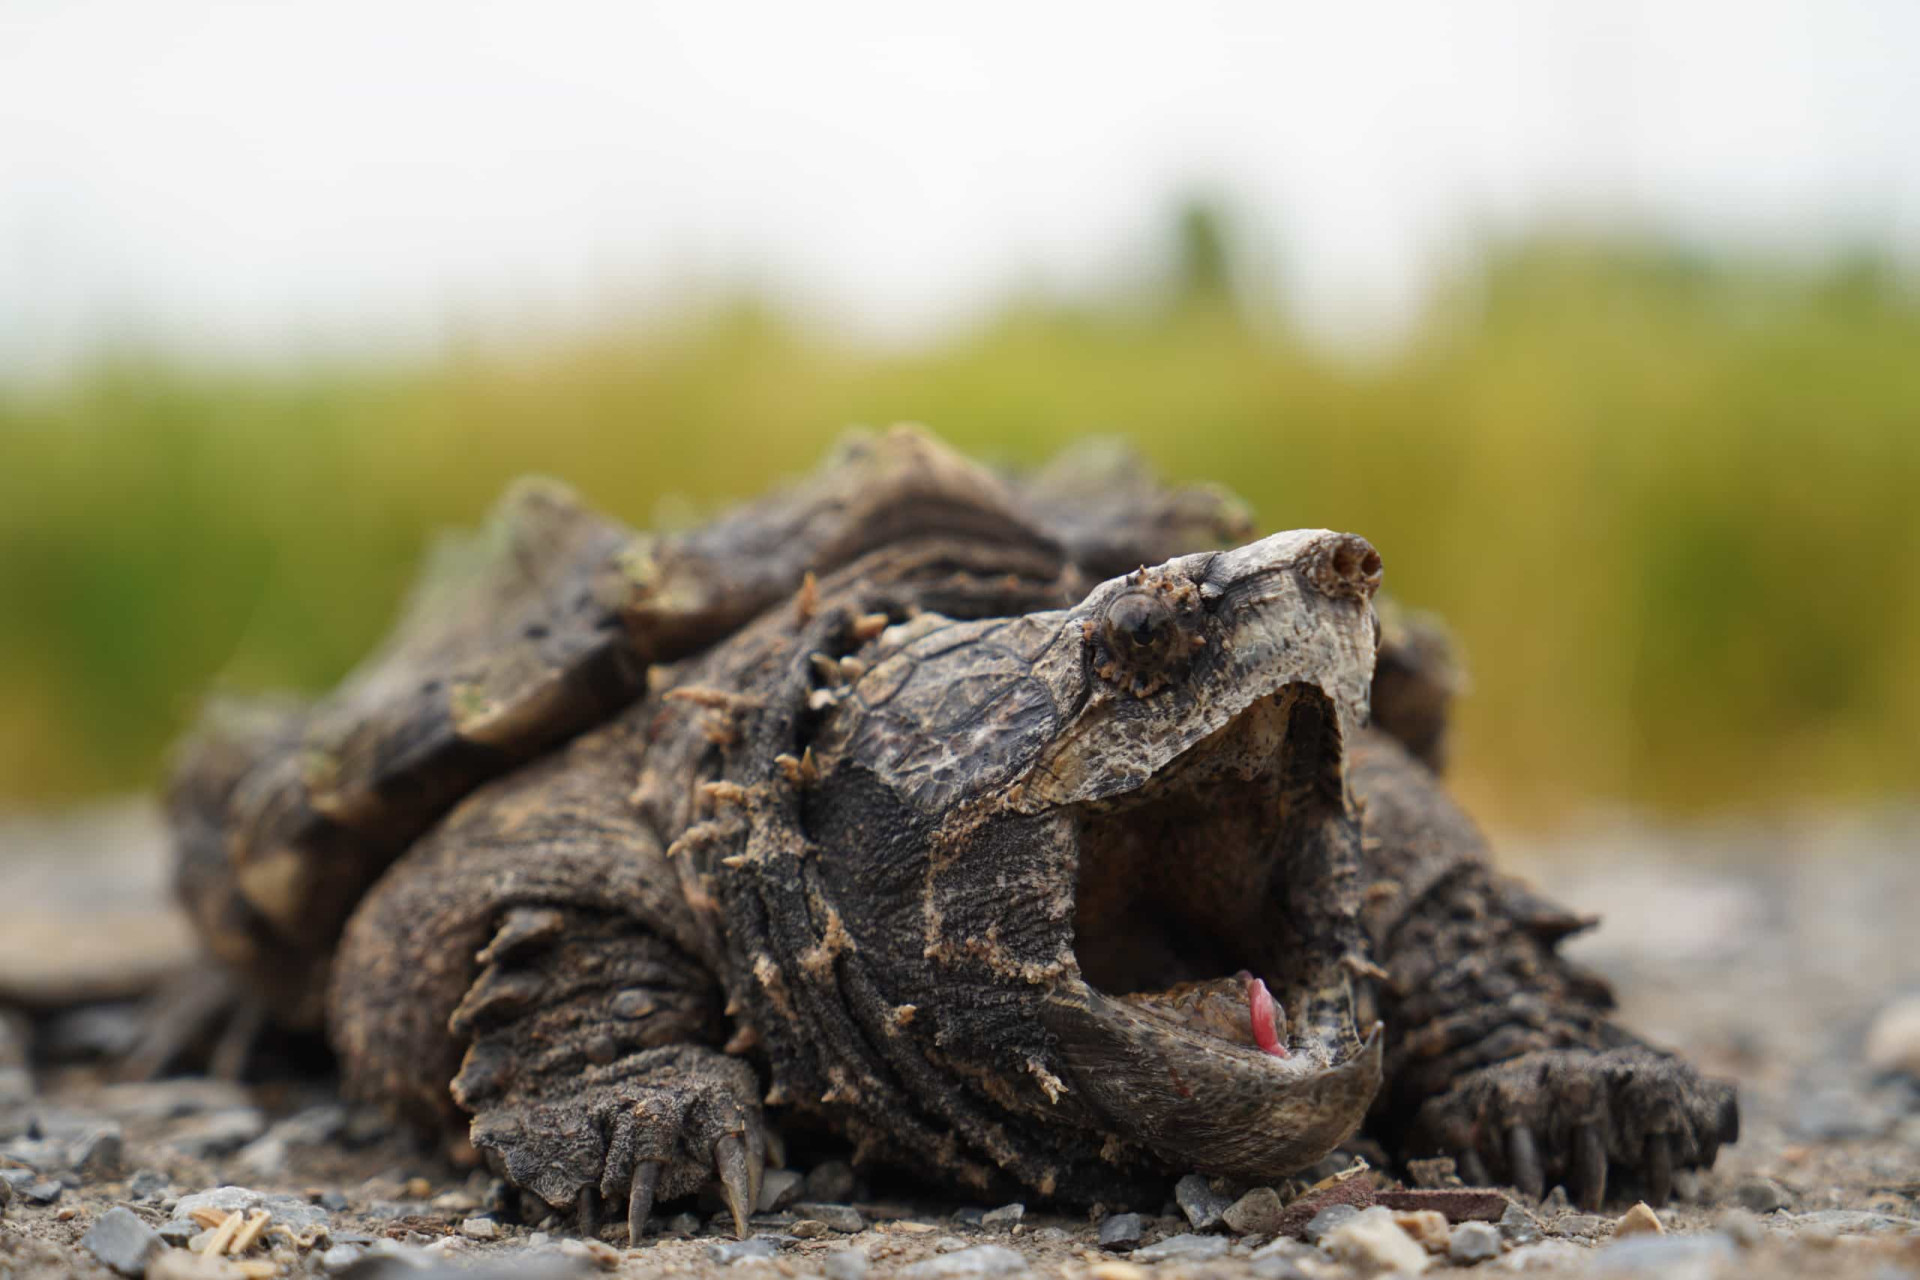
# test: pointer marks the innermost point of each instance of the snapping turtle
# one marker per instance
(1006, 827)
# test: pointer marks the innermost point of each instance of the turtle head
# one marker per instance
(1106, 855)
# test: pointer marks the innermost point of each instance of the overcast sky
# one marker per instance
(267, 175)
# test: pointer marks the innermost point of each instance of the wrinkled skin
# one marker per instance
(934, 819)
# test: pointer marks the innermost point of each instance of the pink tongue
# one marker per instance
(1261, 1006)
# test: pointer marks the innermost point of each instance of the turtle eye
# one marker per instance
(1139, 623)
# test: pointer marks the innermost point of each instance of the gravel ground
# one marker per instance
(1781, 955)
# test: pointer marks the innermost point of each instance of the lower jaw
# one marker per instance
(1218, 1108)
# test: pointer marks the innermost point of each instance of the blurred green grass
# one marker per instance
(1669, 504)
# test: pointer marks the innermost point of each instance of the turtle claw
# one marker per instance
(646, 1179)
(1523, 1158)
(1589, 1176)
(1659, 1167)
(736, 1180)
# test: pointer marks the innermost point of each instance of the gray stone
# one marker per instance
(1741, 1227)
(684, 1224)
(101, 1154)
(218, 1132)
(778, 1189)
(148, 1186)
(1849, 1222)
(1050, 1235)
(1473, 1242)
(1187, 1248)
(1005, 1218)
(333, 1202)
(1256, 1213)
(44, 1191)
(480, 1229)
(969, 1215)
(1668, 1257)
(1518, 1226)
(1545, 1255)
(264, 1157)
(841, 1217)
(1580, 1224)
(982, 1260)
(949, 1244)
(171, 1099)
(1373, 1241)
(1200, 1202)
(1555, 1202)
(1835, 1115)
(339, 1258)
(178, 1233)
(729, 1252)
(1893, 1041)
(846, 1264)
(121, 1241)
(1760, 1195)
(1121, 1231)
(1328, 1219)
(830, 1182)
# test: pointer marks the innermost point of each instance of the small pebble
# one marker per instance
(982, 1260)
(596, 1252)
(1544, 1255)
(840, 1217)
(1760, 1195)
(418, 1188)
(1050, 1235)
(728, 1252)
(1121, 1231)
(1556, 1202)
(778, 1189)
(1518, 1226)
(101, 1155)
(1004, 1218)
(683, 1224)
(177, 1233)
(1187, 1248)
(1256, 1213)
(949, 1244)
(120, 1240)
(148, 1186)
(42, 1192)
(480, 1229)
(846, 1264)
(809, 1229)
(1328, 1219)
(333, 1202)
(1471, 1243)
(830, 1183)
(1203, 1205)
(1893, 1041)
(1741, 1227)
(339, 1258)
(1638, 1221)
(1666, 1257)
(1373, 1241)
(1579, 1224)
(1427, 1227)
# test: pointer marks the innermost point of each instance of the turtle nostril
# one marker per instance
(1350, 566)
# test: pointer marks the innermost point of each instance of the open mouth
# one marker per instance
(1214, 915)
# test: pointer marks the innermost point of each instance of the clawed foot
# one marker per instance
(1573, 1116)
(655, 1125)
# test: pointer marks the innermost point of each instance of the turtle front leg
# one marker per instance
(591, 1076)
(1500, 1051)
